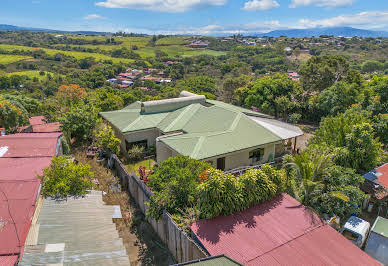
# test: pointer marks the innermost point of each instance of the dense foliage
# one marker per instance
(106, 139)
(65, 178)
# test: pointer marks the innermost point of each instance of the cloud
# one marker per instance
(260, 5)
(213, 29)
(321, 3)
(93, 16)
(171, 6)
(368, 19)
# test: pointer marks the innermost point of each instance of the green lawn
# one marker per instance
(10, 58)
(78, 55)
(148, 164)
(173, 40)
(31, 74)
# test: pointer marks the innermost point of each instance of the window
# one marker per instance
(142, 143)
(256, 155)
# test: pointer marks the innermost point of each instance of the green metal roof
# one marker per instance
(212, 130)
(242, 134)
(381, 226)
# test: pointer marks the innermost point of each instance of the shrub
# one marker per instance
(136, 153)
(106, 139)
(223, 193)
(174, 184)
(66, 178)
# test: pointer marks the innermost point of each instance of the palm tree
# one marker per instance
(309, 168)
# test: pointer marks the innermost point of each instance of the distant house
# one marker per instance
(293, 75)
(199, 44)
(225, 135)
(278, 232)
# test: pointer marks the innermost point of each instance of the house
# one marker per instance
(23, 156)
(377, 243)
(293, 75)
(225, 135)
(278, 232)
(376, 185)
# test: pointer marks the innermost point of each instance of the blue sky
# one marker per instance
(194, 16)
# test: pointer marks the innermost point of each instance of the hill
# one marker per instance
(336, 31)
(5, 27)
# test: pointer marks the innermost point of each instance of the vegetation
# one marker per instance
(65, 178)
(106, 139)
(343, 91)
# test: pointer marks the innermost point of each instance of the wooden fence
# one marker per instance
(178, 242)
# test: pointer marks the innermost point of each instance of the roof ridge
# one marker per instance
(131, 124)
(235, 121)
(186, 109)
(197, 147)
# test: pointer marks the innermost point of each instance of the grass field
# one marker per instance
(173, 40)
(9, 58)
(78, 55)
(31, 74)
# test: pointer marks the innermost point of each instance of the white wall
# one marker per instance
(232, 160)
(163, 152)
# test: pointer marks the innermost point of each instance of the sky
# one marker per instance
(207, 17)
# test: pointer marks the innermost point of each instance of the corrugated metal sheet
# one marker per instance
(30, 144)
(281, 129)
(46, 128)
(17, 206)
(84, 226)
(37, 120)
(383, 177)
(278, 232)
(381, 226)
(8, 260)
(22, 168)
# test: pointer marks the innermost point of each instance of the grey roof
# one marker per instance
(283, 130)
(75, 232)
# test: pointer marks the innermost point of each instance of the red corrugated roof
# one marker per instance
(276, 232)
(22, 168)
(17, 206)
(47, 128)
(37, 120)
(383, 178)
(8, 260)
(30, 144)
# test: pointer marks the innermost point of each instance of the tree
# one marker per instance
(230, 85)
(70, 94)
(308, 169)
(79, 121)
(65, 178)
(336, 99)
(106, 139)
(339, 194)
(321, 72)
(361, 151)
(174, 184)
(198, 84)
(371, 66)
(270, 94)
(11, 115)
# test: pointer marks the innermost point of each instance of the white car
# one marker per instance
(356, 230)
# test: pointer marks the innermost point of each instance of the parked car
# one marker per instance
(356, 230)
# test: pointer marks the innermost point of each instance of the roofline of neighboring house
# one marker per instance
(205, 259)
(223, 154)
